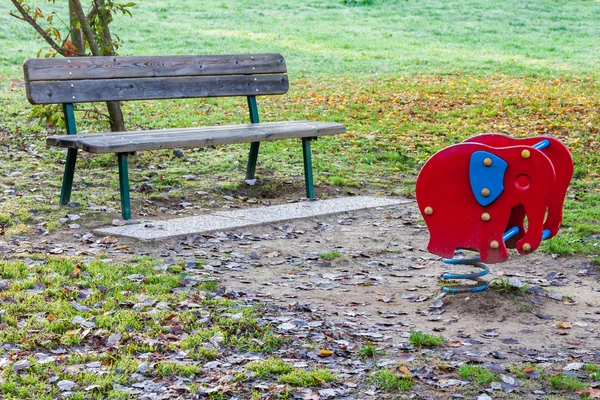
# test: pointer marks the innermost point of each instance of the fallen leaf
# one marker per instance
(113, 339)
(386, 298)
(490, 333)
(446, 367)
(563, 325)
(325, 353)
(573, 367)
(589, 392)
(515, 282)
(21, 365)
(287, 326)
(532, 373)
(555, 296)
(404, 370)
(65, 385)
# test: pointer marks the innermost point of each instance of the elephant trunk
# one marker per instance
(554, 217)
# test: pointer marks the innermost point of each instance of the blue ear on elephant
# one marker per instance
(486, 174)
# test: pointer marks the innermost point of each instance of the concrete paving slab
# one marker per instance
(157, 230)
(227, 220)
(306, 209)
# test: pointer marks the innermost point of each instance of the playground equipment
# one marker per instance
(490, 193)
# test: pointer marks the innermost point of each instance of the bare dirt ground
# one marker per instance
(384, 268)
(379, 284)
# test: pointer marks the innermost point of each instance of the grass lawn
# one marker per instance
(407, 78)
(542, 38)
(139, 304)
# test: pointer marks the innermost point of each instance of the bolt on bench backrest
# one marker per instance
(91, 79)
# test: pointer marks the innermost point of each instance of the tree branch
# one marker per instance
(92, 14)
(85, 27)
(16, 16)
(27, 18)
(104, 21)
(74, 31)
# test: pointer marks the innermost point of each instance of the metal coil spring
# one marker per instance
(476, 262)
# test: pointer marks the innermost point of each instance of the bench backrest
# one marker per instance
(91, 79)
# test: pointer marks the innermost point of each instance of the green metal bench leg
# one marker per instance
(251, 170)
(67, 183)
(253, 109)
(124, 185)
(71, 128)
(308, 173)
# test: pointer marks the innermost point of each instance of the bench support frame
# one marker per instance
(67, 183)
(71, 160)
(308, 173)
(254, 146)
(122, 160)
(124, 185)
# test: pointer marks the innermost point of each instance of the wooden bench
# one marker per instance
(97, 79)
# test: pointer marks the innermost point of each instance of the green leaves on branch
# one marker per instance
(87, 32)
(67, 37)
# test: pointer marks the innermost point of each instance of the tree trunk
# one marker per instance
(117, 124)
(76, 34)
(105, 19)
(85, 27)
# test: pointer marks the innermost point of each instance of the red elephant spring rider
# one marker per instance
(477, 194)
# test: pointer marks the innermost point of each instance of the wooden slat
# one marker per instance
(69, 141)
(53, 92)
(195, 137)
(82, 68)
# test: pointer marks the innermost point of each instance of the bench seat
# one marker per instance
(126, 142)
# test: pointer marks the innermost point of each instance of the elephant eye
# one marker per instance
(523, 182)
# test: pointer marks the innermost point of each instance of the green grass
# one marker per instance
(421, 339)
(210, 286)
(332, 37)
(369, 350)
(593, 370)
(502, 285)
(517, 294)
(170, 369)
(520, 370)
(565, 382)
(44, 321)
(270, 366)
(385, 379)
(405, 88)
(330, 255)
(406, 78)
(308, 378)
(477, 374)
